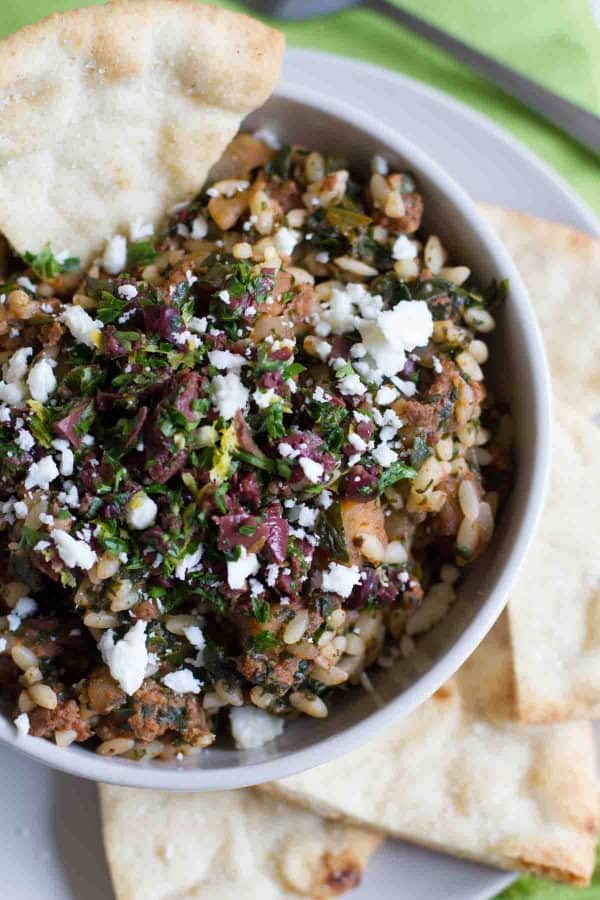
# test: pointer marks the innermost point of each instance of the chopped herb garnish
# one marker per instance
(47, 266)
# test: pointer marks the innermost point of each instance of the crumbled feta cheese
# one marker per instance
(228, 394)
(115, 255)
(320, 395)
(183, 681)
(390, 424)
(240, 569)
(12, 393)
(339, 579)
(188, 563)
(22, 724)
(379, 165)
(41, 473)
(127, 659)
(46, 519)
(312, 470)
(17, 365)
(408, 325)
(228, 188)
(81, 325)
(195, 636)
(138, 231)
(307, 517)
(322, 349)
(25, 607)
(266, 398)
(268, 137)
(197, 325)
(272, 574)
(252, 728)
(224, 359)
(408, 388)
(351, 386)
(358, 350)
(386, 395)
(256, 587)
(322, 257)
(4, 413)
(410, 321)
(395, 553)
(41, 380)
(285, 239)
(339, 312)
(404, 248)
(73, 552)
(27, 283)
(25, 440)
(141, 511)
(325, 499)
(3, 644)
(384, 455)
(152, 666)
(20, 509)
(357, 442)
(67, 459)
(70, 497)
(199, 228)
(287, 451)
(127, 291)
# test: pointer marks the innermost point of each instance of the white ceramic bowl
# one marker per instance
(519, 373)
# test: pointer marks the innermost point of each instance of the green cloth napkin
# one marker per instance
(554, 41)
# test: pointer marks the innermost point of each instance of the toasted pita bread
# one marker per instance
(561, 268)
(555, 607)
(117, 112)
(226, 846)
(452, 778)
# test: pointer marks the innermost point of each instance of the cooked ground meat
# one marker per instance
(65, 717)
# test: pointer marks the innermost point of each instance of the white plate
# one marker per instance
(51, 841)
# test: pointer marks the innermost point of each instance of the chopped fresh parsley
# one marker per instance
(141, 253)
(396, 472)
(47, 266)
(420, 452)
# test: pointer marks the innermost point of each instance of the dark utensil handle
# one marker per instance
(578, 123)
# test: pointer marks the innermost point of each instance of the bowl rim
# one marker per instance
(86, 764)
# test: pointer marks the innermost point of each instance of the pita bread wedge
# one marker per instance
(555, 607)
(226, 846)
(451, 778)
(561, 268)
(115, 113)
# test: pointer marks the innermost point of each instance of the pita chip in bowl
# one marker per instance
(117, 112)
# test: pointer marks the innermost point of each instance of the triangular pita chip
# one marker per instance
(459, 776)
(226, 846)
(555, 606)
(561, 268)
(115, 113)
